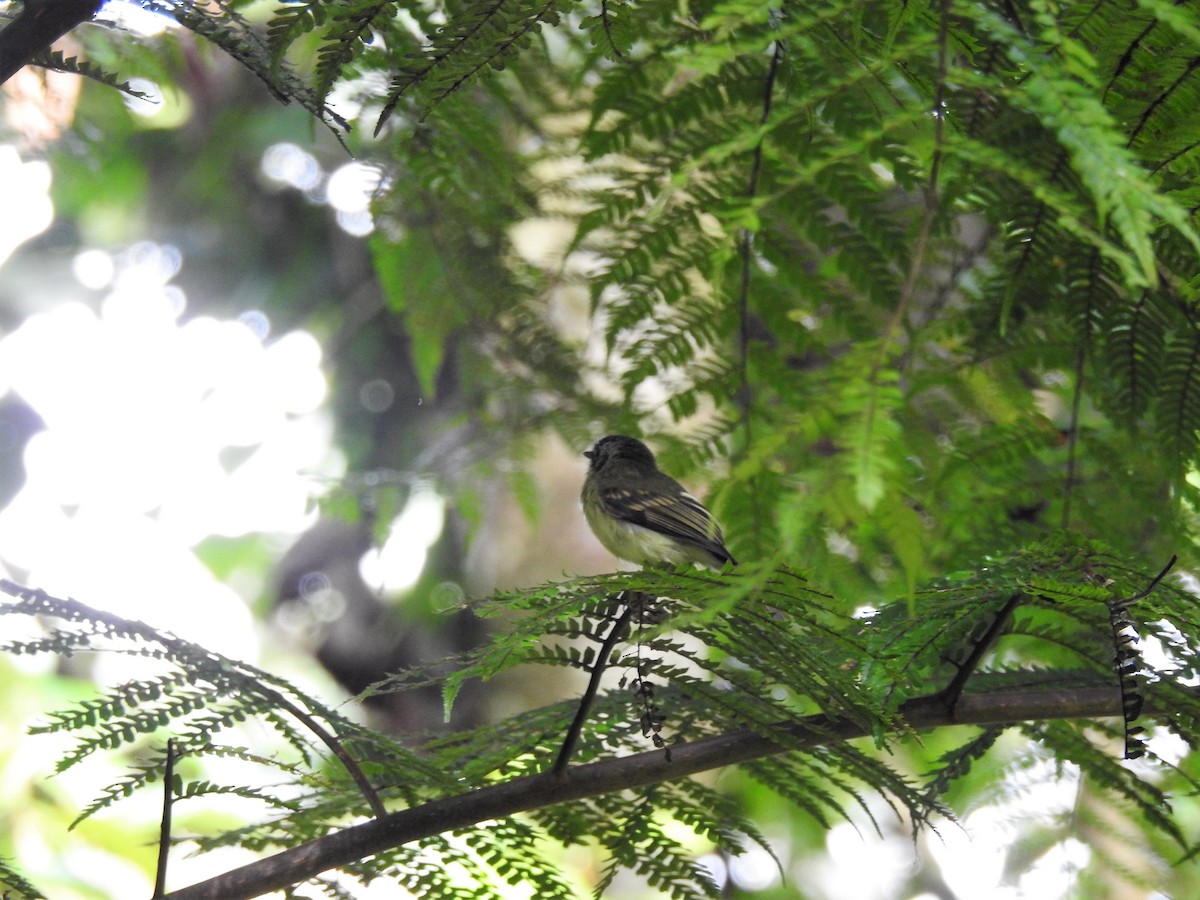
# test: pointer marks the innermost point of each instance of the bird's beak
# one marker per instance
(589, 454)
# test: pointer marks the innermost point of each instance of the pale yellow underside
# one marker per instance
(641, 546)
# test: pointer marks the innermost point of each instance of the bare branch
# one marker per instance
(164, 831)
(585, 703)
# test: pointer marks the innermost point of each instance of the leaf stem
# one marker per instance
(585, 703)
(164, 828)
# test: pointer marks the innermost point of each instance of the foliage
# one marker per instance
(925, 273)
(812, 234)
(709, 655)
(15, 886)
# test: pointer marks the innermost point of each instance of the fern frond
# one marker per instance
(72, 65)
(1135, 335)
(293, 19)
(1177, 412)
(15, 886)
(485, 36)
(958, 761)
(637, 842)
(228, 30)
(511, 850)
(347, 34)
(1060, 95)
(1108, 773)
(871, 433)
(190, 789)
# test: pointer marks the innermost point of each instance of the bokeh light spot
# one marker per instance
(140, 409)
(377, 395)
(398, 564)
(286, 163)
(93, 269)
(352, 186)
(25, 199)
(257, 322)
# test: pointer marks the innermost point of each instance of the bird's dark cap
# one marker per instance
(619, 446)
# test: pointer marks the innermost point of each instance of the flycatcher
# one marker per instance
(643, 515)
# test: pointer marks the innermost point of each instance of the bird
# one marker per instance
(643, 515)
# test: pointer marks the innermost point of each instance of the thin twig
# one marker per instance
(1076, 403)
(336, 746)
(164, 829)
(745, 254)
(608, 32)
(952, 692)
(917, 263)
(585, 703)
(1149, 589)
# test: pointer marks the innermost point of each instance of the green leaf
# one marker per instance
(415, 286)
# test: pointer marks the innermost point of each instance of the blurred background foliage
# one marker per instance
(901, 287)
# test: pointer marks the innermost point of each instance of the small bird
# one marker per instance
(644, 516)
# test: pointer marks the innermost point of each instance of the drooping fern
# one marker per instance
(1066, 130)
(761, 651)
(483, 36)
(15, 886)
(56, 62)
(207, 693)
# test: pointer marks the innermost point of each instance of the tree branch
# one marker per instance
(38, 26)
(538, 791)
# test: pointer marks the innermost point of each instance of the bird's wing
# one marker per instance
(667, 509)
